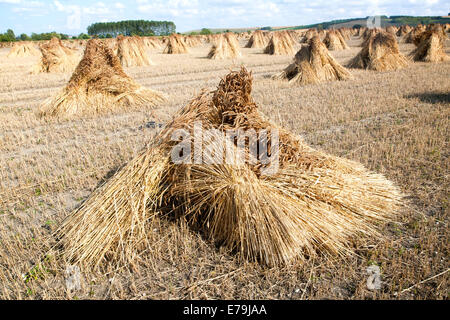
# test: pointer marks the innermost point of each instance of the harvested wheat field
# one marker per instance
(363, 178)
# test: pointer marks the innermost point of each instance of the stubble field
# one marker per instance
(395, 123)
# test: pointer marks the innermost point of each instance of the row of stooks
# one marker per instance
(315, 203)
(56, 57)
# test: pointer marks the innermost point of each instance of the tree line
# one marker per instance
(101, 30)
(10, 36)
(131, 28)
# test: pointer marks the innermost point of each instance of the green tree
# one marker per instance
(205, 31)
(132, 27)
(10, 34)
(24, 37)
(83, 36)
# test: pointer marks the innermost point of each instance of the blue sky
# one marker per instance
(73, 17)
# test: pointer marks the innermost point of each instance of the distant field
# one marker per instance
(349, 23)
(395, 123)
(215, 30)
(238, 29)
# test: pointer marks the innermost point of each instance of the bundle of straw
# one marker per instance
(430, 45)
(334, 40)
(346, 33)
(152, 43)
(392, 30)
(280, 44)
(309, 35)
(257, 40)
(98, 85)
(192, 41)
(226, 46)
(56, 58)
(380, 53)
(367, 35)
(403, 30)
(361, 31)
(314, 64)
(23, 49)
(131, 52)
(414, 33)
(176, 45)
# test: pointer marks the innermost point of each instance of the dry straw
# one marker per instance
(322, 34)
(297, 35)
(131, 52)
(193, 41)
(152, 43)
(367, 35)
(257, 40)
(176, 45)
(346, 33)
(8, 44)
(334, 41)
(294, 36)
(313, 205)
(314, 64)
(22, 50)
(403, 30)
(380, 53)
(430, 45)
(414, 33)
(392, 30)
(280, 43)
(98, 85)
(56, 58)
(226, 46)
(361, 31)
(309, 34)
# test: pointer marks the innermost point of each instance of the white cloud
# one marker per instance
(59, 6)
(97, 9)
(10, 1)
(23, 3)
(22, 9)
